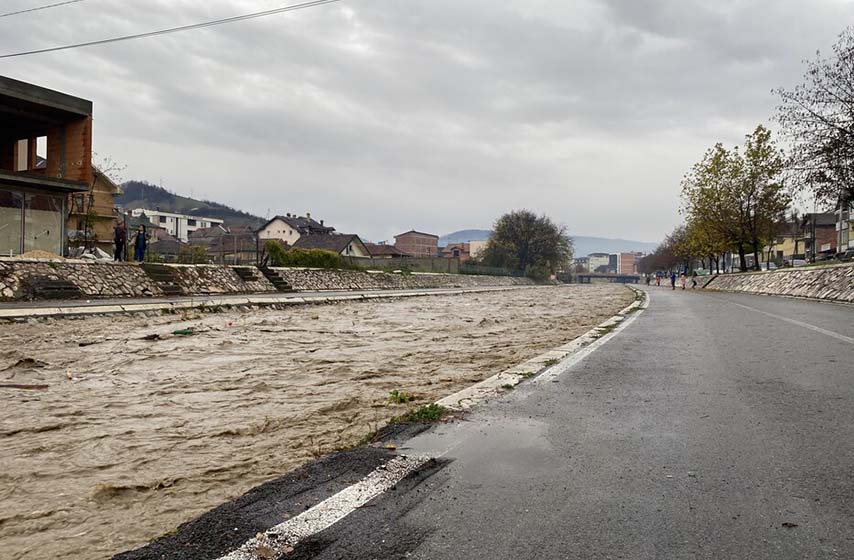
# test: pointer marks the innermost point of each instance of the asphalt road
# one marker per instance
(715, 426)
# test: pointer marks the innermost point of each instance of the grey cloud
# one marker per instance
(387, 114)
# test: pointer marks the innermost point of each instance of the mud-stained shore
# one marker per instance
(115, 430)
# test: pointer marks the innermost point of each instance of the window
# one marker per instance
(162, 219)
(22, 163)
(43, 223)
(11, 205)
(191, 223)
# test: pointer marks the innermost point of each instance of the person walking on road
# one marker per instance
(139, 244)
(658, 279)
(672, 280)
(120, 238)
(683, 279)
(694, 280)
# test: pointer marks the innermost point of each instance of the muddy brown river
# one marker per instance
(118, 430)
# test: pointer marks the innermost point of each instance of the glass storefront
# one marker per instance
(30, 221)
(11, 215)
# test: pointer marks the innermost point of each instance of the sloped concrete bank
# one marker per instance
(27, 279)
(830, 283)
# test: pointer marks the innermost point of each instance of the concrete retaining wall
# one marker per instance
(315, 279)
(119, 280)
(833, 283)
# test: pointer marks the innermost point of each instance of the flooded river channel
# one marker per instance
(114, 429)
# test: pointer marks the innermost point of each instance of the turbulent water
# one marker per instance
(114, 430)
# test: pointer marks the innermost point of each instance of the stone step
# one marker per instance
(164, 277)
(247, 273)
(281, 284)
(49, 288)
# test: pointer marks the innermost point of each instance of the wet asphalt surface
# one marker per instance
(714, 426)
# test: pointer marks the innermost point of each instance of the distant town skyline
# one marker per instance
(384, 116)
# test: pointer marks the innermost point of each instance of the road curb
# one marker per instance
(547, 362)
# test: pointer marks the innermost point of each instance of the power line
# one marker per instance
(40, 8)
(178, 29)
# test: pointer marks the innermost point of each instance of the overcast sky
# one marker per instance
(386, 115)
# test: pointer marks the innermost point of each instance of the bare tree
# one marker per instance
(817, 117)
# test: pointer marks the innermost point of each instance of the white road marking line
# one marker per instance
(565, 365)
(279, 540)
(807, 326)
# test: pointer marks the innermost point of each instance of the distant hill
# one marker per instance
(586, 245)
(583, 245)
(464, 236)
(139, 194)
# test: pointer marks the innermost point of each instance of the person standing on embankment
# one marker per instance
(139, 244)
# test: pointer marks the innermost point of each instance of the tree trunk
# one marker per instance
(742, 260)
(756, 255)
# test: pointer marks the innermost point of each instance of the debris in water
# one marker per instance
(789, 525)
(26, 363)
(23, 386)
(154, 336)
(183, 332)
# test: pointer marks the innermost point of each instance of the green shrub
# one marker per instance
(305, 258)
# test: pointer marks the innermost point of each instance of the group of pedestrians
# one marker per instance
(120, 238)
(682, 278)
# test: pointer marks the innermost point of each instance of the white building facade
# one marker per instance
(178, 225)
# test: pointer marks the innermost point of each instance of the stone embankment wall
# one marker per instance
(117, 280)
(203, 279)
(95, 280)
(316, 279)
(832, 283)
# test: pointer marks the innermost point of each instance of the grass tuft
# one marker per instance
(400, 397)
(428, 413)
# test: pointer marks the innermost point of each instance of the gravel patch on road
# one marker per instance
(116, 429)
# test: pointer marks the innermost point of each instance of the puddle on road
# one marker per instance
(136, 433)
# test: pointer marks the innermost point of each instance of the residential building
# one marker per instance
(598, 262)
(346, 245)
(476, 248)
(164, 245)
(38, 122)
(418, 244)
(627, 263)
(236, 245)
(289, 228)
(844, 227)
(92, 215)
(581, 264)
(613, 263)
(385, 251)
(460, 251)
(178, 225)
(819, 235)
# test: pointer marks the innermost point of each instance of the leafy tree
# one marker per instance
(817, 117)
(711, 202)
(667, 255)
(734, 200)
(523, 241)
(762, 190)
